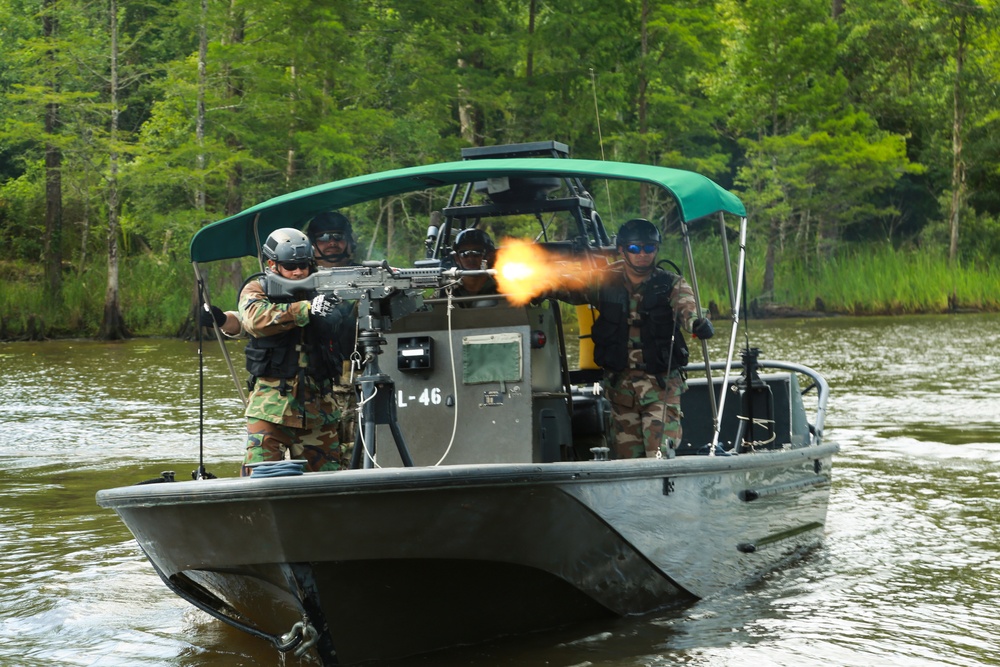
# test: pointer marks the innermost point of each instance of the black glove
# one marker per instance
(702, 328)
(323, 305)
(328, 325)
(207, 317)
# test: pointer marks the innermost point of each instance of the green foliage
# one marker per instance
(21, 215)
(980, 238)
(156, 298)
(835, 131)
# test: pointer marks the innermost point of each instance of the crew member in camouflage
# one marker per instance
(294, 360)
(637, 341)
(332, 236)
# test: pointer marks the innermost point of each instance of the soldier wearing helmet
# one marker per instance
(294, 362)
(334, 245)
(333, 241)
(637, 341)
(474, 251)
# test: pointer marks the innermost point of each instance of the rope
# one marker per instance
(360, 424)
(454, 377)
(278, 469)
(753, 443)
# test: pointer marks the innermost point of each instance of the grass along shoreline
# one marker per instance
(156, 292)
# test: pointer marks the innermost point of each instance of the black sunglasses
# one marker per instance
(329, 236)
(635, 248)
(472, 254)
(294, 266)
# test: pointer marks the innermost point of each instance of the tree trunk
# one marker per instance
(958, 165)
(371, 244)
(390, 228)
(529, 69)
(827, 238)
(53, 208)
(836, 9)
(290, 157)
(804, 237)
(234, 184)
(199, 121)
(770, 256)
(53, 167)
(85, 224)
(113, 326)
(642, 104)
(188, 328)
(234, 181)
(466, 120)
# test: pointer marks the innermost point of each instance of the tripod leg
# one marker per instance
(397, 435)
(358, 444)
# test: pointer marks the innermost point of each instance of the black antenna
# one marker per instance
(600, 137)
(200, 472)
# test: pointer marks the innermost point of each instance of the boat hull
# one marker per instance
(391, 562)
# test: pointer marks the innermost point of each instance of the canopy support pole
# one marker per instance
(704, 344)
(735, 297)
(218, 335)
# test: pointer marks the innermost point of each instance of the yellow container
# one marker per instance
(586, 315)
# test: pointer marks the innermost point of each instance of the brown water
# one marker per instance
(909, 573)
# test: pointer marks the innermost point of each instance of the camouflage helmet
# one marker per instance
(637, 230)
(287, 245)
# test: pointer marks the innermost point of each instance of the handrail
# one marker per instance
(823, 391)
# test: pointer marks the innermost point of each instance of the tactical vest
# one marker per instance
(278, 357)
(610, 332)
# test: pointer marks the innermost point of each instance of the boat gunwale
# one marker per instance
(431, 478)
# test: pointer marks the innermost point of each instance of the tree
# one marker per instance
(113, 325)
(674, 119)
(814, 162)
(53, 156)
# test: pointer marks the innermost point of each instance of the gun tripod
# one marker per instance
(378, 404)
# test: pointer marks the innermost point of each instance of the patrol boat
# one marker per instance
(482, 501)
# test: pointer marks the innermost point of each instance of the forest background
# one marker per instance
(863, 136)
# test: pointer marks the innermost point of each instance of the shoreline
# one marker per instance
(756, 312)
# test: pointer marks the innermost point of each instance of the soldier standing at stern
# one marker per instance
(637, 341)
(294, 360)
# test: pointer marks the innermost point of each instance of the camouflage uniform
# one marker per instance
(282, 414)
(646, 408)
(345, 394)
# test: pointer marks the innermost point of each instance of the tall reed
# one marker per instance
(879, 279)
(156, 292)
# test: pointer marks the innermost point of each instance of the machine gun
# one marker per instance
(382, 294)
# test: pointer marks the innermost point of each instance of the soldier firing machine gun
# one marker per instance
(382, 294)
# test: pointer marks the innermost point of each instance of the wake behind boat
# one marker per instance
(482, 502)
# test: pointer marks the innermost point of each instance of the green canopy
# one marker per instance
(240, 234)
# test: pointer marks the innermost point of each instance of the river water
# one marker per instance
(909, 573)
